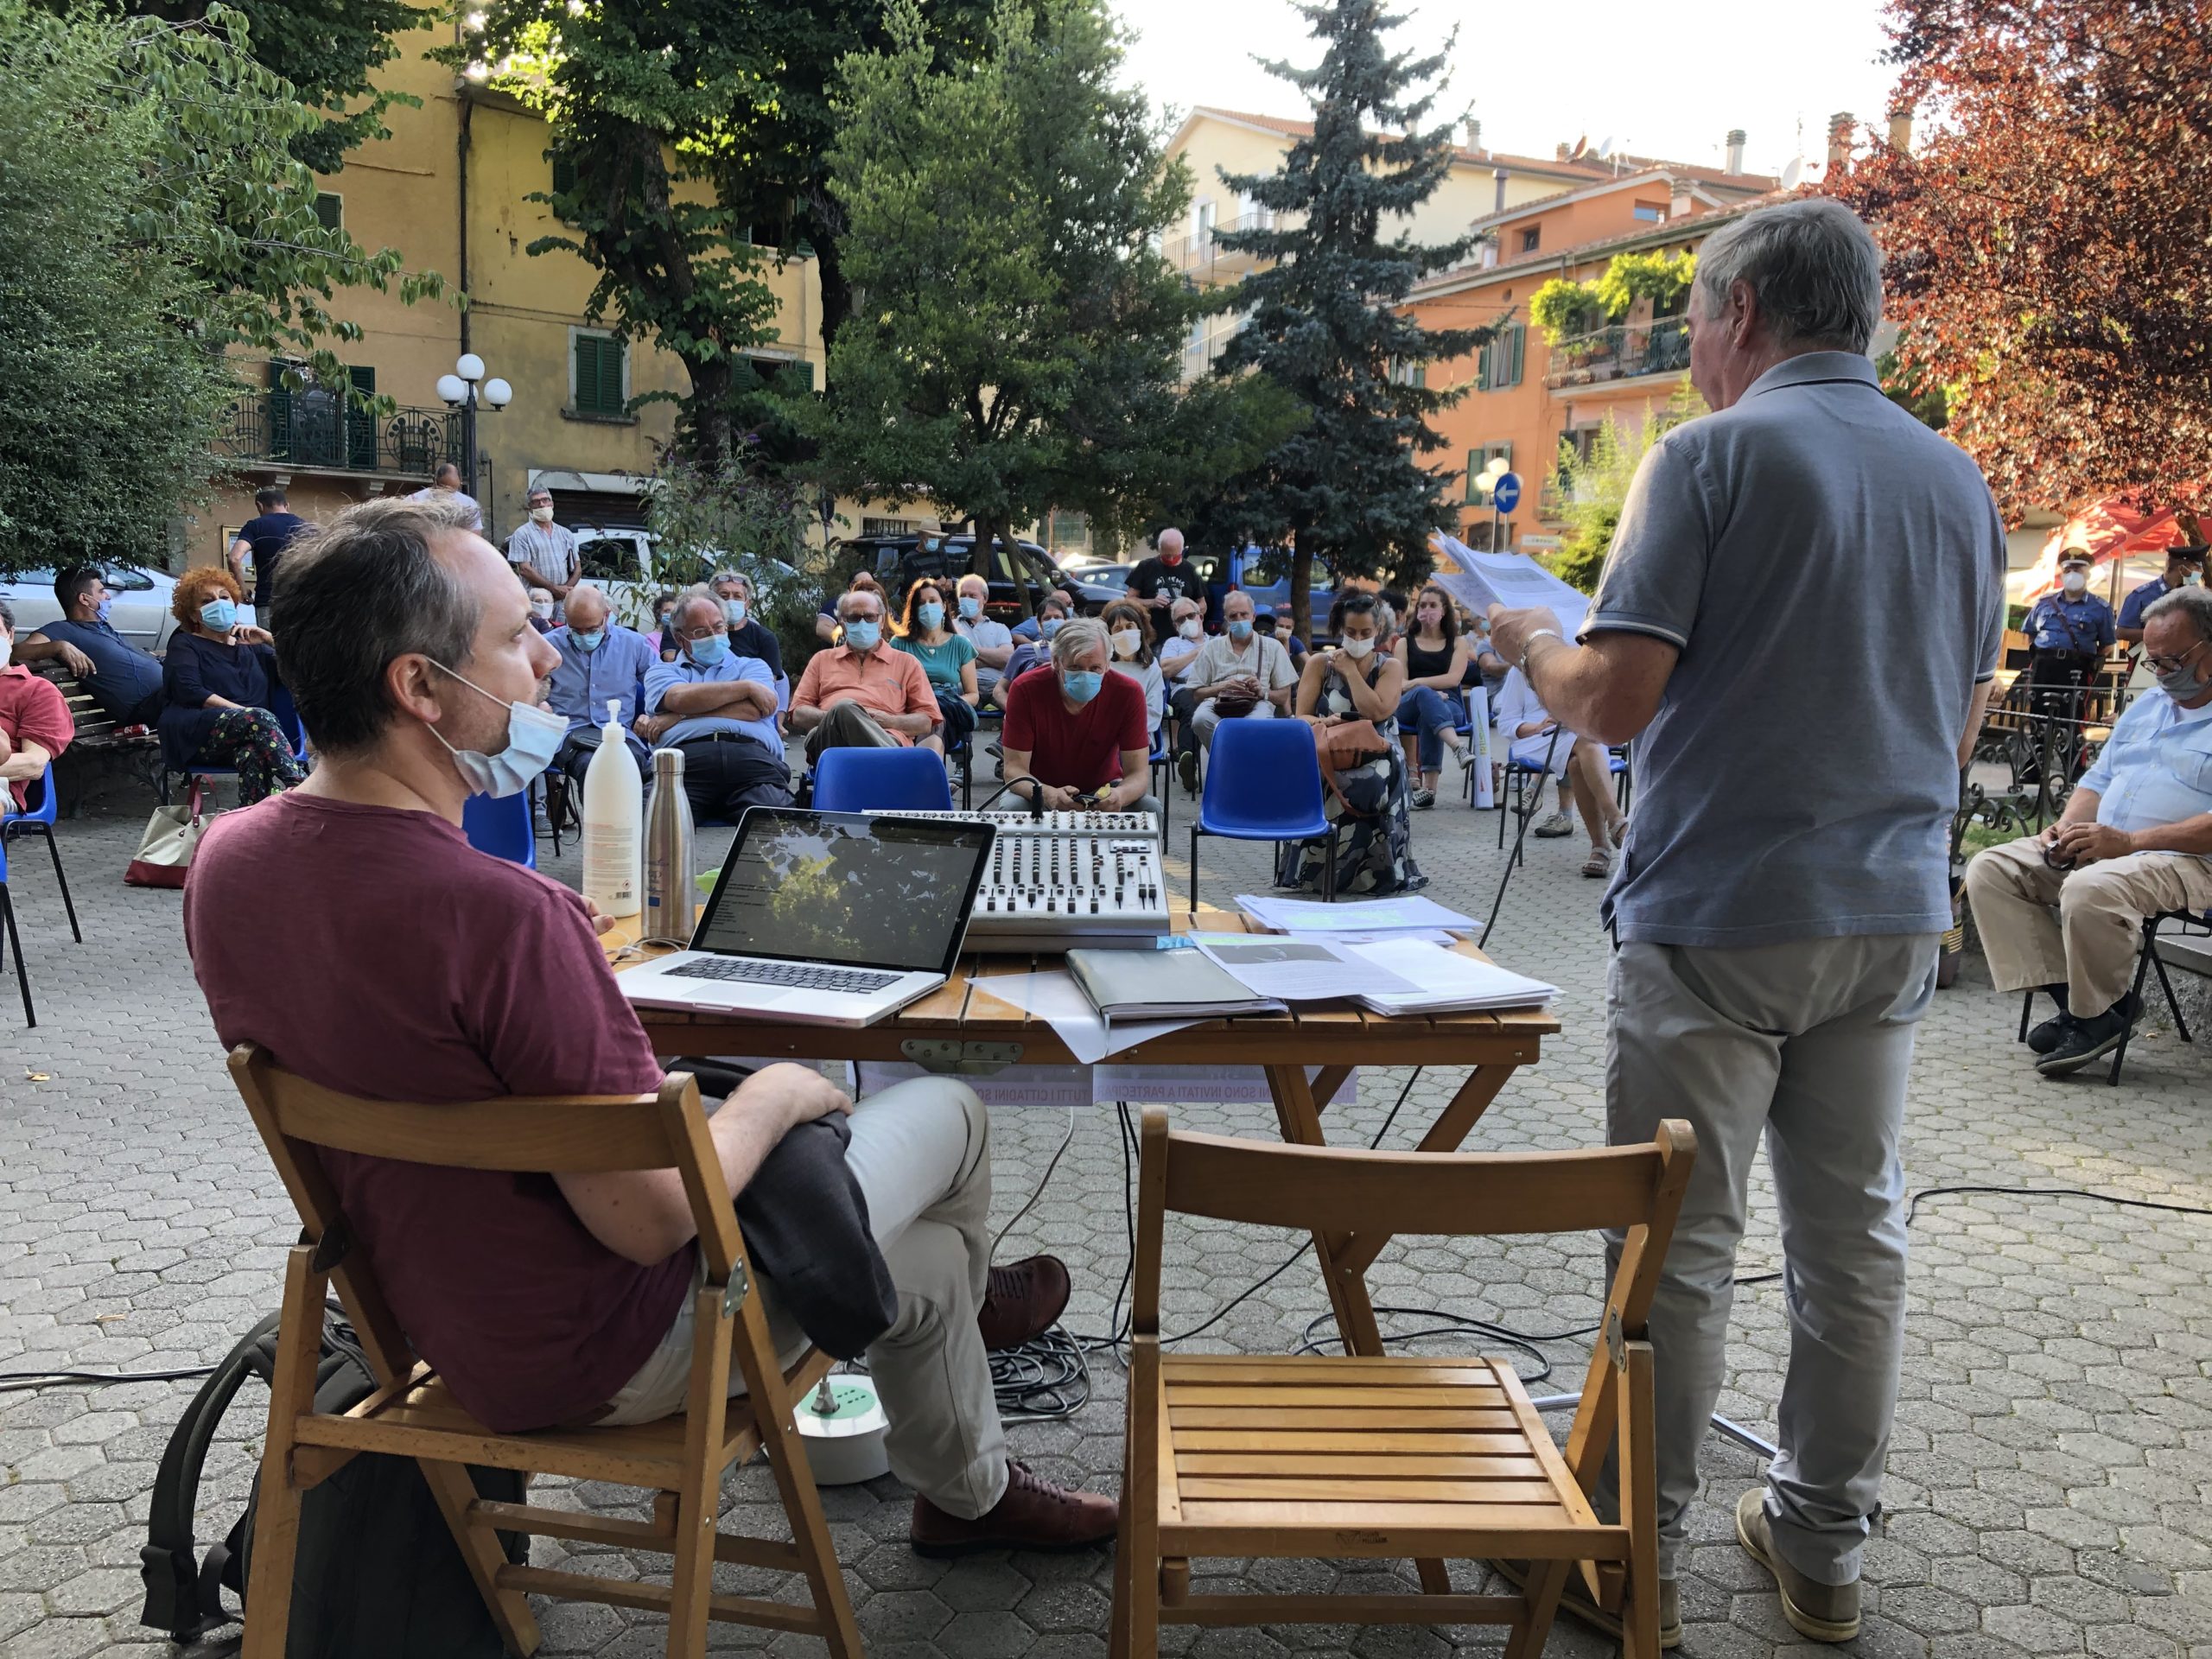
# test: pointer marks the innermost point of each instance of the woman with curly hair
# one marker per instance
(946, 656)
(218, 681)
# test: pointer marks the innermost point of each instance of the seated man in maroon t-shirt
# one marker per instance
(405, 965)
(1075, 735)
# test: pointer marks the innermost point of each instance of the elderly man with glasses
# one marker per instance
(860, 693)
(718, 710)
(2062, 911)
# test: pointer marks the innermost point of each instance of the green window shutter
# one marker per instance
(329, 210)
(361, 423)
(599, 375)
(1482, 369)
(1517, 338)
(1475, 460)
(611, 353)
(564, 174)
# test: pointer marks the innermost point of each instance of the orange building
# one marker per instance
(1528, 396)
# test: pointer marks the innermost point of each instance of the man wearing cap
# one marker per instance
(2185, 566)
(2069, 633)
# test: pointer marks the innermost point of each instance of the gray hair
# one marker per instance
(356, 594)
(882, 605)
(1813, 267)
(699, 594)
(1078, 637)
(1181, 600)
(7, 616)
(737, 576)
(2196, 603)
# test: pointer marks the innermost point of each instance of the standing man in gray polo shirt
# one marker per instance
(1777, 906)
(544, 554)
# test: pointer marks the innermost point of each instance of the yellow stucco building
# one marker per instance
(449, 190)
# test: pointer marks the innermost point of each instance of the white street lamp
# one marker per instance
(461, 390)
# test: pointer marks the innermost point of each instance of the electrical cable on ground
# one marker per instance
(1526, 818)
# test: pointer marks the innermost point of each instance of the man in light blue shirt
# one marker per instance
(601, 662)
(2063, 911)
(723, 710)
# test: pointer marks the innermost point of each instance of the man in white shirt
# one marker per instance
(993, 641)
(445, 485)
(1240, 674)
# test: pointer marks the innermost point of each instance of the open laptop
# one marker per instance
(832, 918)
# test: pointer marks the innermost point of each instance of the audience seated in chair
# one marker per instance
(993, 639)
(860, 693)
(601, 662)
(1530, 735)
(1051, 611)
(2062, 910)
(218, 682)
(1130, 635)
(1239, 674)
(122, 680)
(946, 656)
(35, 722)
(1434, 655)
(403, 965)
(1076, 735)
(718, 710)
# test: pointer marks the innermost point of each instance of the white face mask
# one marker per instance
(543, 606)
(1126, 641)
(1188, 627)
(1356, 649)
(2074, 582)
(542, 515)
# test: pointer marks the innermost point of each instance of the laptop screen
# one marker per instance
(853, 888)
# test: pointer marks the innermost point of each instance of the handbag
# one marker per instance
(165, 850)
(1345, 742)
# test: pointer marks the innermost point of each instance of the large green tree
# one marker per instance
(1323, 317)
(1018, 345)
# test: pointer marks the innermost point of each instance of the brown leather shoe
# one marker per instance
(1023, 1301)
(1032, 1515)
(1820, 1612)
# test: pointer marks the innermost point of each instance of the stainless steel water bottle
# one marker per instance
(670, 853)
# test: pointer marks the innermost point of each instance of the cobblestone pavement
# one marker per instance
(2050, 1486)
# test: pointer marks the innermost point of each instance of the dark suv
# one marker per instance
(1019, 578)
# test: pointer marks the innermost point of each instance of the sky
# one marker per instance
(1661, 81)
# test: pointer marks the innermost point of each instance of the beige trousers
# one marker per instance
(2039, 926)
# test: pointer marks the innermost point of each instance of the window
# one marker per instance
(1067, 533)
(1532, 238)
(1202, 226)
(1651, 213)
(329, 210)
(889, 526)
(782, 374)
(1478, 460)
(599, 375)
(564, 174)
(1408, 374)
(1501, 362)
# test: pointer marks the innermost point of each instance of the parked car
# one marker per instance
(617, 561)
(139, 608)
(1018, 579)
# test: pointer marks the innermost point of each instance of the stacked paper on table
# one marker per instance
(1300, 966)
(1405, 913)
(1163, 985)
(1445, 981)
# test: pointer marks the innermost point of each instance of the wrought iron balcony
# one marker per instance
(319, 429)
(1620, 352)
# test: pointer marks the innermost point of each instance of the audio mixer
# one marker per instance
(1068, 880)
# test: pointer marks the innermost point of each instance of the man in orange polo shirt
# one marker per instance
(860, 693)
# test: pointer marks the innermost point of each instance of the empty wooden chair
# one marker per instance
(1331, 1456)
(680, 1458)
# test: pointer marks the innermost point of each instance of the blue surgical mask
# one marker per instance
(1239, 629)
(220, 614)
(1050, 626)
(587, 639)
(533, 738)
(1082, 683)
(105, 606)
(709, 650)
(864, 636)
(971, 607)
(931, 616)
(734, 612)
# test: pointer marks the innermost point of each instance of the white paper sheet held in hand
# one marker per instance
(1300, 968)
(1513, 580)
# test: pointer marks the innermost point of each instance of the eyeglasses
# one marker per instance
(2168, 664)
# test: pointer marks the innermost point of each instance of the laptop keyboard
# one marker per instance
(802, 974)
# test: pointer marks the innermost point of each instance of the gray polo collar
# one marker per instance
(1812, 367)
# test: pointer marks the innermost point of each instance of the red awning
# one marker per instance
(2107, 531)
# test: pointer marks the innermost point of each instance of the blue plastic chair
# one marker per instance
(1518, 772)
(501, 825)
(40, 818)
(881, 780)
(14, 938)
(1162, 756)
(1263, 783)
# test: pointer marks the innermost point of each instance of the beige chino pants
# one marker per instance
(2040, 926)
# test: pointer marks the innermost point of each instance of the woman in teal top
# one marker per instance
(946, 657)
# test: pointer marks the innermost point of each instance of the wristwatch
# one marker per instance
(1540, 633)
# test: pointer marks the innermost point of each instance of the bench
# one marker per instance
(98, 741)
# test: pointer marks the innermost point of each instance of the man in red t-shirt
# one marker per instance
(405, 965)
(35, 722)
(1075, 734)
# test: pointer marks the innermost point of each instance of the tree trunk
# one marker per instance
(1301, 590)
(826, 230)
(712, 439)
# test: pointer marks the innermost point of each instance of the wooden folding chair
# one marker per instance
(1329, 1456)
(680, 1458)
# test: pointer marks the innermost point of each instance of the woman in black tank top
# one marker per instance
(1435, 656)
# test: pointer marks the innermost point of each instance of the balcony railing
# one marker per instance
(1620, 352)
(321, 431)
(1199, 255)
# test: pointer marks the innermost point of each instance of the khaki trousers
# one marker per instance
(2040, 926)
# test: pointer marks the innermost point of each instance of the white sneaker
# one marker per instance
(1553, 828)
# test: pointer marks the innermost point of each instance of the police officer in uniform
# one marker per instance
(2184, 565)
(2069, 633)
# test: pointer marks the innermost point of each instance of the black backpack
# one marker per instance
(378, 1575)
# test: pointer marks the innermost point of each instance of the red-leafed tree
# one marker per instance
(2049, 239)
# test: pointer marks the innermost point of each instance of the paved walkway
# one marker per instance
(2051, 1482)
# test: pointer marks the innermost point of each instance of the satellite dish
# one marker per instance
(1605, 147)
(1793, 173)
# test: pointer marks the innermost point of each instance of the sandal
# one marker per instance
(1599, 863)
